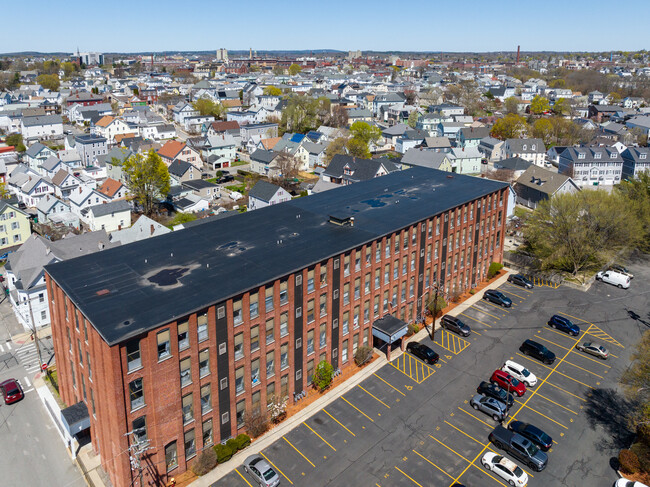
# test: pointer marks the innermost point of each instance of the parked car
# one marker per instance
(520, 280)
(614, 278)
(11, 391)
(422, 352)
(519, 447)
(537, 350)
(628, 483)
(454, 324)
(490, 406)
(505, 468)
(508, 382)
(593, 348)
(261, 471)
(497, 297)
(226, 178)
(533, 433)
(564, 324)
(621, 269)
(493, 390)
(520, 373)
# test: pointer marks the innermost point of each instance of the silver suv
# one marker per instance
(489, 406)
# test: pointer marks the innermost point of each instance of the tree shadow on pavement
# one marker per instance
(610, 410)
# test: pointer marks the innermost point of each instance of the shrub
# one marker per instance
(629, 461)
(243, 441)
(323, 375)
(224, 452)
(277, 407)
(363, 355)
(256, 423)
(494, 269)
(205, 462)
(436, 308)
(642, 452)
(233, 445)
(413, 328)
(472, 292)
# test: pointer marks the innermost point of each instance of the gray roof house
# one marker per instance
(266, 194)
(635, 161)
(426, 158)
(537, 184)
(592, 166)
(143, 228)
(344, 169)
(515, 164)
(533, 150)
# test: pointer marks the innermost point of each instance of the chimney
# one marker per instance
(152, 229)
(80, 189)
(100, 245)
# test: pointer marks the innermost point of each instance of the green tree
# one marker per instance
(323, 375)
(511, 126)
(573, 232)
(272, 91)
(543, 129)
(562, 107)
(294, 69)
(413, 118)
(365, 132)
(49, 81)
(511, 105)
(358, 148)
(301, 114)
(254, 68)
(337, 146)
(278, 70)
(17, 141)
(636, 194)
(182, 217)
(69, 69)
(614, 98)
(557, 83)
(539, 105)
(205, 106)
(147, 179)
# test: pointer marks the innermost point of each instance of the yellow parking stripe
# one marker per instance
(588, 371)
(502, 308)
(358, 409)
(449, 448)
(556, 371)
(519, 288)
(424, 458)
(243, 478)
(275, 467)
(472, 318)
(561, 333)
(405, 475)
(477, 419)
(553, 343)
(389, 384)
(557, 404)
(595, 331)
(372, 395)
(299, 452)
(541, 414)
(324, 440)
(342, 425)
(485, 312)
(569, 393)
(510, 292)
(469, 436)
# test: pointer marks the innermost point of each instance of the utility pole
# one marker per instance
(136, 449)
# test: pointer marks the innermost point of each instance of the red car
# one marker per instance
(508, 382)
(11, 391)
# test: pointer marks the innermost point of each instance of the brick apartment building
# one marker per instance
(177, 337)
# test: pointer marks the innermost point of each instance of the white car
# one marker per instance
(519, 372)
(505, 468)
(628, 483)
(622, 281)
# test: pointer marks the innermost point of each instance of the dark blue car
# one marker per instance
(533, 433)
(497, 297)
(563, 324)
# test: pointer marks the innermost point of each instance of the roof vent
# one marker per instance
(342, 221)
(102, 292)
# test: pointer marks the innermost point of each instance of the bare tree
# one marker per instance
(507, 175)
(288, 168)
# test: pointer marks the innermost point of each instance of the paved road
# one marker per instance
(410, 424)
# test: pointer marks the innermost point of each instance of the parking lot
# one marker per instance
(411, 424)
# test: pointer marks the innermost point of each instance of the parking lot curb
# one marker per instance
(289, 424)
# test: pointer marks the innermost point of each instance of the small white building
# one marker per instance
(266, 194)
(110, 217)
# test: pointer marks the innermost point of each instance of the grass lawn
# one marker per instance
(238, 163)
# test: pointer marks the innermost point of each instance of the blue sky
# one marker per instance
(418, 25)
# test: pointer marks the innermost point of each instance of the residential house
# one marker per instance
(472, 136)
(89, 148)
(64, 183)
(516, 165)
(108, 127)
(635, 161)
(84, 99)
(113, 161)
(15, 226)
(501, 93)
(180, 171)
(37, 154)
(164, 132)
(25, 276)
(602, 113)
(177, 150)
(50, 167)
(111, 216)
(592, 166)
(203, 189)
(266, 194)
(85, 198)
(411, 138)
(191, 204)
(262, 162)
(533, 150)
(193, 124)
(633, 102)
(265, 130)
(183, 110)
(491, 148)
(385, 100)
(553, 154)
(344, 169)
(359, 115)
(433, 159)
(449, 129)
(537, 184)
(429, 122)
(45, 127)
(465, 161)
(641, 122)
(70, 158)
(316, 153)
(49, 206)
(223, 146)
(447, 109)
(29, 186)
(113, 189)
(142, 229)
(438, 144)
(221, 127)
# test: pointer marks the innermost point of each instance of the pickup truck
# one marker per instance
(519, 447)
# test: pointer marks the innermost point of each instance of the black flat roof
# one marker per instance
(134, 288)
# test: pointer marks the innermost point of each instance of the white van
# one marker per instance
(614, 278)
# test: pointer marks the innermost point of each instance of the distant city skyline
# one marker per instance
(420, 26)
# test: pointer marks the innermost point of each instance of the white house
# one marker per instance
(85, 198)
(110, 217)
(465, 161)
(533, 150)
(42, 127)
(266, 194)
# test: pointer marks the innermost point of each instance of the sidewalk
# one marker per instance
(283, 428)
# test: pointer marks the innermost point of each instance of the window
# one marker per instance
(310, 342)
(237, 313)
(378, 252)
(396, 243)
(284, 356)
(241, 408)
(186, 371)
(90, 372)
(396, 269)
(202, 326)
(139, 429)
(376, 306)
(284, 324)
(171, 458)
(164, 350)
(239, 346)
(183, 335)
(256, 400)
(310, 311)
(136, 394)
(85, 331)
(268, 302)
(355, 319)
(368, 255)
(322, 305)
(79, 351)
(323, 275)
(207, 432)
(310, 281)
(386, 273)
(284, 386)
(133, 359)
(366, 311)
(346, 323)
(255, 338)
(346, 266)
(404, 265)
(346, 293)
(206, 399)
(284, 295)
(252, 305)
(377, 277)
(386, 300)
(255, 372)
(270, 364)
(357, 260)
(204, 363)
(74, 376)
(270, 330)
(41, 298)
(357, 288)
(344, 352)
(366, 284)
(310, 371)
(322, 335)
(239, 380)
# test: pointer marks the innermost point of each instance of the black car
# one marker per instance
(533, 433)
(497, 297)
(493, 390)
(226, 178)
(537, 350)
(563, 324)
(520, 280)
(454, 324)
(422, 352)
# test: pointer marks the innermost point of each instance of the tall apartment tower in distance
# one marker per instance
(90, 58)
(222, 55)
(353, 55)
